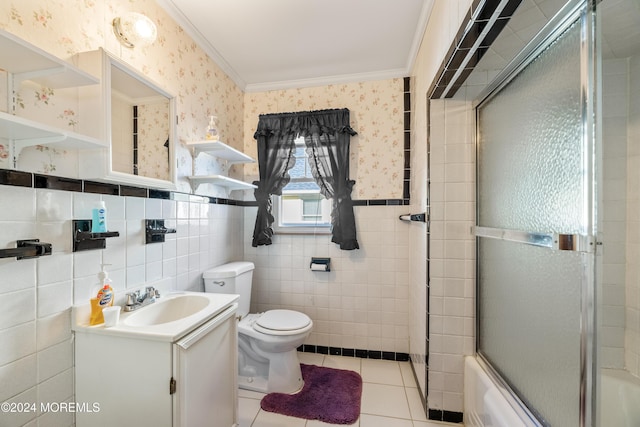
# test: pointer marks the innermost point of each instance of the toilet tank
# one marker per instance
(231, 278)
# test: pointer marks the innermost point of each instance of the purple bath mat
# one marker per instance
(329, 395)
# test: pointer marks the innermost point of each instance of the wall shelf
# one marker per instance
(26, 133)
(230, 183)
(220, 150)
(28, 62)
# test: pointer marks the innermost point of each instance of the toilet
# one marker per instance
(267, 342)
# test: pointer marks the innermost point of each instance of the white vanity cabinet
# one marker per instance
(140, 380)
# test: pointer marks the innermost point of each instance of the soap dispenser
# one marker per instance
(212, 129)
(104, 297)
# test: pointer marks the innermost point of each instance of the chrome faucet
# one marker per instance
(135, 300)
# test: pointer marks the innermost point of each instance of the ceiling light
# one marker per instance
(134, 29)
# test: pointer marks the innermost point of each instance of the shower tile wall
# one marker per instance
(363, 303)
(632, 332)
(36, 295)
(452, 263)
(615, 76)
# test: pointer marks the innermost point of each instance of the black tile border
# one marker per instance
(17, 178)
(352, 352)
(57, 183)
(34, 180)
(406, 182)
(473, 24)
(445, 416)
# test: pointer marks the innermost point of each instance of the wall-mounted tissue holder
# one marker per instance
(320, 264)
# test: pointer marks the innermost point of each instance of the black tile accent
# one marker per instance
(402, 357)
(159, 194)
(406, 190)
(101, 188)
(375, 354)
(407, 84)
(407, 140)
(445, 416)
(394, 202)
(407, 159)
(57, 183)
(360, 203)
(126, 190)
(407, 120)
(407, 101)
(17, 178)
(381, 202)
(350, 352)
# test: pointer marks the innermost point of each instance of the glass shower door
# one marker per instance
(534, 227)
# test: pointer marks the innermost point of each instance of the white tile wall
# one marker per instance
(614, 212)
(632, 291)
(446, 18)
(452, 257)
(36, 360)
(363, 303)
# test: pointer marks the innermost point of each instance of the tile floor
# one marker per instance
(389, 396)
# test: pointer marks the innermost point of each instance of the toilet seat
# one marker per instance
(280, 322)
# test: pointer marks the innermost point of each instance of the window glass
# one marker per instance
(301, 208)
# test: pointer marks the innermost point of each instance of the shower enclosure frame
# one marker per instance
(585, 242)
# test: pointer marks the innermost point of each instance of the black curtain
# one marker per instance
(327, 134)
(275, 135)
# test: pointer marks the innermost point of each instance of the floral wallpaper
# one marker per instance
(174, 62)
(377, 152)
(153, 131)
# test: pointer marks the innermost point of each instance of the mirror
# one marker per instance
(137, 123)
(139, 127)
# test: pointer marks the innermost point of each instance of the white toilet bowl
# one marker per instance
(268, 342)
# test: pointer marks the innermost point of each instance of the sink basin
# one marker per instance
(167, 310)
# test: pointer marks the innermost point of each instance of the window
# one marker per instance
(301, 208)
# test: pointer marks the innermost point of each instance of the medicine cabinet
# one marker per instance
(137, 119)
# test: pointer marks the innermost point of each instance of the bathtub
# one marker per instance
(620, 399)
(484, 403)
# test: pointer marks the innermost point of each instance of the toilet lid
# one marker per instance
(283, 320)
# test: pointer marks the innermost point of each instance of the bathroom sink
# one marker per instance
(171, 317)
(167, 310)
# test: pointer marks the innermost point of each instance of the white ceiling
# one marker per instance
(277, 44)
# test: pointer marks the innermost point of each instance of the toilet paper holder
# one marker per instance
(320, 264)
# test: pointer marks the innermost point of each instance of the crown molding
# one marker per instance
(327, 80)
(189, 28)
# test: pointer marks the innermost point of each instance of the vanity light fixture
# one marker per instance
(134, 29)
